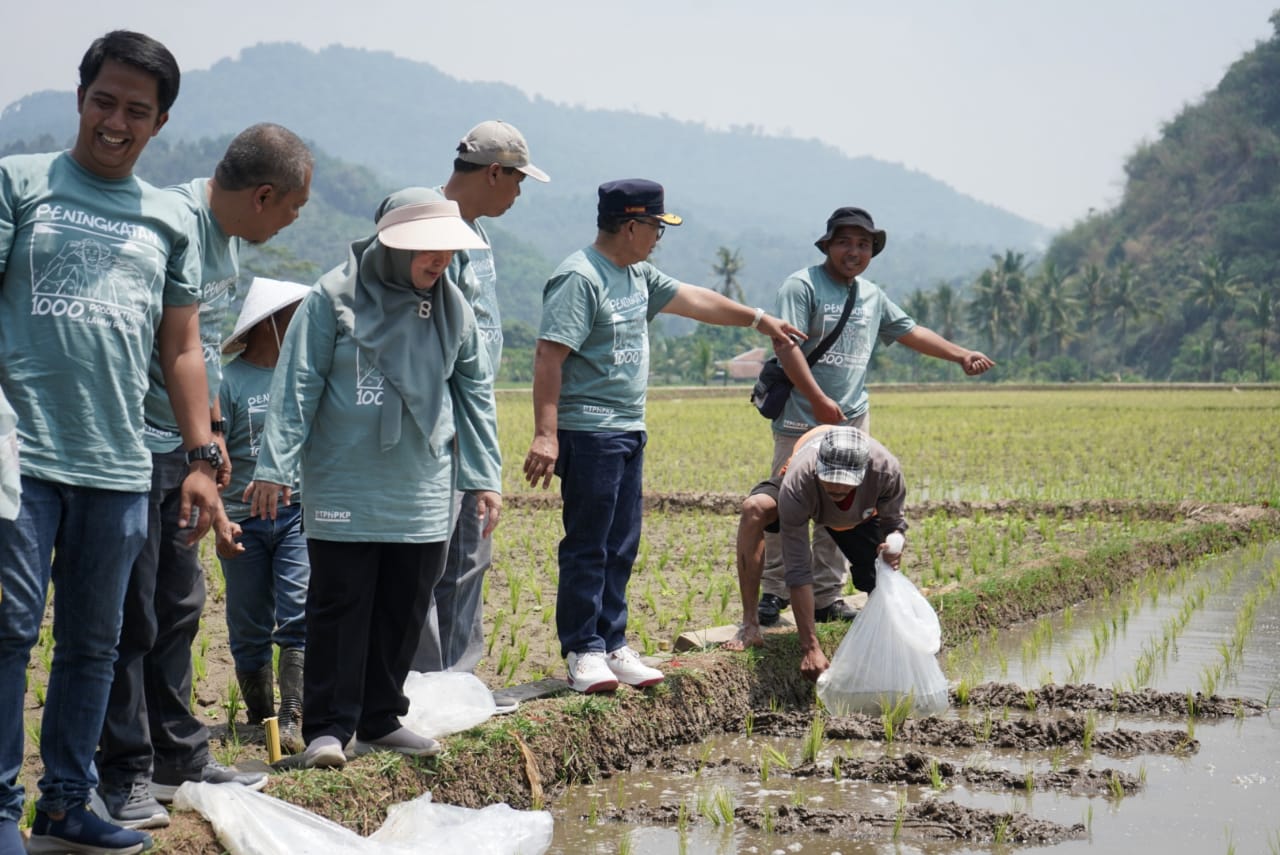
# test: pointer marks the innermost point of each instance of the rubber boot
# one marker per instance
(291, 662)
(258, 691)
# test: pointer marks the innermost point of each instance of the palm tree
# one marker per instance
(998, 298)
(1260, 309)
(1214, 288)
(945, 311)
(986, 307)
(1059, 307)
(1092, 294)
(1011, 273)
(728, 265)
(1122, 301)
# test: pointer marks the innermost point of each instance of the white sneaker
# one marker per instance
(588, 673)
(626, 666)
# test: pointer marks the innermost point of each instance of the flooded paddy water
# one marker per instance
(1145, 720)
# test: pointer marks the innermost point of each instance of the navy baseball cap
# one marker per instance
(635, 197)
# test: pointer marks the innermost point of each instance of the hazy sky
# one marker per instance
(1032, 105)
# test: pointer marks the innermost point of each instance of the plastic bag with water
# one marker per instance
(251, 823)
(889, 654)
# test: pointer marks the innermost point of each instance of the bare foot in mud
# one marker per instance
(748, 636)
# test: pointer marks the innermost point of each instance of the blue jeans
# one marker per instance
(267, 588)
(600, 480)
(92, 537)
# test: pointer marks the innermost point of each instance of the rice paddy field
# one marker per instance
(997, 479)
(981, 442)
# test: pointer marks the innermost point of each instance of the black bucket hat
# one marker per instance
(853, 217)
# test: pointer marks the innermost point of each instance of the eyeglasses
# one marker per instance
(658, 226)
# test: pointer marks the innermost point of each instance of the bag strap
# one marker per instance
(830, 339)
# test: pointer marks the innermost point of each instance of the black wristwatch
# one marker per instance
(210, 453)
(219, 427)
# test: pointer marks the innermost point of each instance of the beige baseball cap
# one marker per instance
(497, 142)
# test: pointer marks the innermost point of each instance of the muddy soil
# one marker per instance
(1024, 734)
(919, 769)
(1146, 702)
(929, 820)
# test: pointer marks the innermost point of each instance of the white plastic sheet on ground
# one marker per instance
(10, 476)
(250, 823)
(888, 654)
(441, 703)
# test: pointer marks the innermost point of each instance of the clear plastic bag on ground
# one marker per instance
(445, 702)
(251, 823)
(888, 654)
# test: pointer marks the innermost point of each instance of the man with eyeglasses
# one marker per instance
(590, 372)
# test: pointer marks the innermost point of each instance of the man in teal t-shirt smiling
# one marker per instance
(591, 368)
(94, 269)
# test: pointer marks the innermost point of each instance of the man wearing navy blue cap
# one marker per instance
(590, 371)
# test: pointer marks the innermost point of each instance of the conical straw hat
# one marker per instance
(266, 297)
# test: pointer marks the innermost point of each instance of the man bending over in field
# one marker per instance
(838, 478)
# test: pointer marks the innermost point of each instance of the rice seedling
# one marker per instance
(893, 714)
(900, 818)
(935, 775)
(717, 806)
(232, 704)
(814, 740)
(1090, 728)
(1116, 787)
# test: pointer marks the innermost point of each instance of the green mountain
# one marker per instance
(399, 121)
(1179, 281)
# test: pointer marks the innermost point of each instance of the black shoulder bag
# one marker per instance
(773, 387)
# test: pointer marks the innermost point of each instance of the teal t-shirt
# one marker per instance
(813, 301)
(324, 419)
(473, 271)
(86, 266)
(601, 312)
(220, 266)
(244, 397)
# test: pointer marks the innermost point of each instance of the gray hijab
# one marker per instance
(412, 335)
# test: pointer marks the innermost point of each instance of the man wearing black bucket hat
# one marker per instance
(833, 390)
(590, 371)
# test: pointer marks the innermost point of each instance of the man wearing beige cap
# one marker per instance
(491, 163)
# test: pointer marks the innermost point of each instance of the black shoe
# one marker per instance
(838, 610)
(770, 607)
